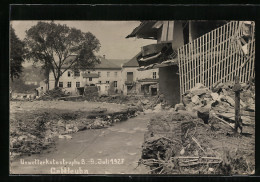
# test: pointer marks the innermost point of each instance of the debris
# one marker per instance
(224, 122)
(179, 106)
(204, 115)
(196, 141)
(214, 96)
(65, 137)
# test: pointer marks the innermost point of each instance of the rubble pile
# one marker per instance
(29, 136)
(181, 143)
(32, 133)
(220, 101)
(53, 94)
(90, 92)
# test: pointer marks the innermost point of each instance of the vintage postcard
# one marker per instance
(132, 97)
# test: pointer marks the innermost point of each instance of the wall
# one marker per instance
(169, 84)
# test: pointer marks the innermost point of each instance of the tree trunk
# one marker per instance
(56, 82)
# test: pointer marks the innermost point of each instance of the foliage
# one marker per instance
(17, 55)
(58, 46)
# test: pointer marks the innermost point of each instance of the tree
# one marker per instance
(17, 55)
(52, 44)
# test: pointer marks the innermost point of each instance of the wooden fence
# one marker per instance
(216, 57)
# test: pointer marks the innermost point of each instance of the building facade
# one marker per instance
(106, 74)
(138, 82)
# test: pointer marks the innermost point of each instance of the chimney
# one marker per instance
(104, 56)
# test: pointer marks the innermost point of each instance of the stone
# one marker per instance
(190, 106)
(179, 106)
(182, 152)
(195, 99)
(158, 108)
(199, 89)
(214, 96)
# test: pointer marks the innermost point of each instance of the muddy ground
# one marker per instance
(35, 125)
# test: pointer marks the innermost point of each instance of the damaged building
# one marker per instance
(191, 52)
(139, 82)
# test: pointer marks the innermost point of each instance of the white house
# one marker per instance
(106, 73)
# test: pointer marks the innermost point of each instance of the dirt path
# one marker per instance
(92, 151)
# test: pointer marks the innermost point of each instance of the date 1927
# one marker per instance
(103, 161)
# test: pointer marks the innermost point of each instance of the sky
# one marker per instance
(111, 35)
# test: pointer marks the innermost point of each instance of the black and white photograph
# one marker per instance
(166, 97)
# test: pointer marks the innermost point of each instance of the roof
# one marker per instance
(133, 62)
(106, 64)
(146, 30)
(118, 62)
(90, 75)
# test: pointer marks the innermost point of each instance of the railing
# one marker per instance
(216, 57)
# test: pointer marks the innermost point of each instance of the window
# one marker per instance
(76, 73)
(98, 88)
(61, 84)
(108, 74)
(90, 79)
(99, 74)
(88, 71)
(99, 81)
(154, 75)
(130, 76)
(115, 84)
(68, 73)
(69, 84)
(107, 81)
(116, 74)
(77, 84)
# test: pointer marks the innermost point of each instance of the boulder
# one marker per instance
(199, 89)
(195, 99)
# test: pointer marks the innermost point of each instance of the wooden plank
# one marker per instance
(217, 59)
(185, 69)
(190, 68)
(221, 55)
(224, 53)
(198, 61)
(206, 60)
(195, 63)
(214, 58)
(192, 65)
(211, 58)
(203, 61)
(232, 50)
(164, 31)
(170, 30)
(180, 74)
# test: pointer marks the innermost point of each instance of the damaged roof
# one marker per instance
(146, 30)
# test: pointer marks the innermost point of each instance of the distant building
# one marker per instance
(138, 82)
(106, 73)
